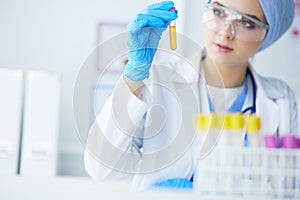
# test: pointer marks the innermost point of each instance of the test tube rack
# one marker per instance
(249, 173)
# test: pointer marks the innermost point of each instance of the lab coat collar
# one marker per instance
(264, 87)
(266, 106)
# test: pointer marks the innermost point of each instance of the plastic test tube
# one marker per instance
(237, 126)
(209, 128)
(253, 128)
(236, 136)
(172, 32)
(203, 126)
(202, 129)
(271, 145)
(255, 163)
(253, 136)
(289, 142)
(219, 130)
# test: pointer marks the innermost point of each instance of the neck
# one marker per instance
(224, 76)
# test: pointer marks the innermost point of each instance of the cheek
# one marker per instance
(249, 48)
(207, 36)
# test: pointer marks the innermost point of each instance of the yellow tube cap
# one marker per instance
(253, 124)
(200, 122)
(236, 122)
(217, 121)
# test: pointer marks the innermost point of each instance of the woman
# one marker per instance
(132, 137)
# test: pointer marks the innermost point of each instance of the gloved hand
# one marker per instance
(144, 35)
(175, 183)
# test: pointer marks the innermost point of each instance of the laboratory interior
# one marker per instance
(59, 63)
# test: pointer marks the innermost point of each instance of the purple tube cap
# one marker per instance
(271, 141)
(298, 143)
(289, 142)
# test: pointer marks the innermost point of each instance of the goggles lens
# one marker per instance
(243, 27)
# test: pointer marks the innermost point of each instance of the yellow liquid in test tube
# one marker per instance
(172, 33)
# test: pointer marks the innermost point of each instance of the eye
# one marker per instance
(248, 24)
(219, 12)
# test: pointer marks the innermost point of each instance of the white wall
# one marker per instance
(281, 60)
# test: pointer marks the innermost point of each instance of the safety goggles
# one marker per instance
(242, 27)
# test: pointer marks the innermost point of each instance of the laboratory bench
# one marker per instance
(75, 188)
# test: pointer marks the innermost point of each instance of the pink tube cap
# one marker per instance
(271, 141)
(289, 142)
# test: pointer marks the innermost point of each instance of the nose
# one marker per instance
(228, 31)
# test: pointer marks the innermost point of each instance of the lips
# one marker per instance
(223, 48)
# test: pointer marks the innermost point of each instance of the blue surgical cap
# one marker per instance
(279, 15)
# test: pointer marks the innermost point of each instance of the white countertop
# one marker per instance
(73, 188)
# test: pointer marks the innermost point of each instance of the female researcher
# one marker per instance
(146, 130)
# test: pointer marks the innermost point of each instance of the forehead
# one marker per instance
(248, 7)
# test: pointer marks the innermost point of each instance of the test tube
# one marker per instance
(273, 162)
(253, 160)
(254, 140)
(289, 142)
(237, 126)
(236, 134)
(172, 32)
(253, 128)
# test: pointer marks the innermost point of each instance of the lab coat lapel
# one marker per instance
(266, 107)
(269, 113)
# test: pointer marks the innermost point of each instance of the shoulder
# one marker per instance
(274, 86)
(277, 90)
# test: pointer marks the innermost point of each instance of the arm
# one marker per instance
(115, 138)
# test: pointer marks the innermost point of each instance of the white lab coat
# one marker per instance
(115, 148)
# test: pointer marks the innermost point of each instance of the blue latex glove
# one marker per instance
(176, 183)
(144, 35)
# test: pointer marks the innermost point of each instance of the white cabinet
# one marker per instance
(29, 122)
(41, 124)
(11, 100)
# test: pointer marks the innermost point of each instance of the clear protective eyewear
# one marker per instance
(243, 27)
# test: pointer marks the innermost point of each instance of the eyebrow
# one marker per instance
(253, 16)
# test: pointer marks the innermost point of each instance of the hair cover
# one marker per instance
(279, 15)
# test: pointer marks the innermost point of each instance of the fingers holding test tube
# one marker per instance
(172, 32)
